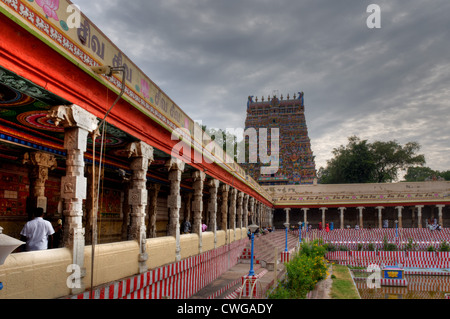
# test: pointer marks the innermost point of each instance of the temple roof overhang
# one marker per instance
(354, 195)
(51, 57)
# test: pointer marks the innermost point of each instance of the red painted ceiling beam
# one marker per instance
(29, 57)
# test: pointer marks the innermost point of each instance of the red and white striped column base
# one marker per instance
(249, 288)
(285, 256)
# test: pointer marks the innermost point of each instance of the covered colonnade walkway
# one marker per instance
(94, 148)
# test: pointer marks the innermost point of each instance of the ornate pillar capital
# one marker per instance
(198, 176)
(42, 159)
(73, 116)
(140, 149)
(39, 163)
(175, 164)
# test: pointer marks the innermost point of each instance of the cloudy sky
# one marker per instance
(388, 83)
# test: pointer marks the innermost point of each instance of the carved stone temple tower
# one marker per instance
(296, 160)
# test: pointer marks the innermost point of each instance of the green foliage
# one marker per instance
(444, 246)
(420, 174)
(364, 162)
(388, 246)
(411, 245)
(223, 138)
(304, 271)
(431, 248)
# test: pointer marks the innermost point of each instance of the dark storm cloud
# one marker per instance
(209, 56)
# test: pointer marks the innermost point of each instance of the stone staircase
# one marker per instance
(264, 247)
(228, 286)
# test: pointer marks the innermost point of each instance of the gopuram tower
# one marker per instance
(296, 160)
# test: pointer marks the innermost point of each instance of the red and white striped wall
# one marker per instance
(178, 280)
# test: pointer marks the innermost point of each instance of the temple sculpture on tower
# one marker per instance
(296, 160)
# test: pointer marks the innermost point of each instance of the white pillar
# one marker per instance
(224, 208)
(305, 215)
(400, 217)
(213, 186)
(419, 215)
(239, 212)
(287, 210)
(441, 220)
(323, 209)
(361, 223)
(245, 211)
(77, 123)
(380, 221)
(232, 210)
(342, 216)
(197, 205)
(141, 155)
(252, 210)
(175, 168)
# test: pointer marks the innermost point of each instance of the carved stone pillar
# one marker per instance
(197, 205)
(232, 210)
(152, 210)
(188, 208)
(141, 155)
(77, 124)
(91, 203)
(175, 168)
(126, 209)
(240, 202)
(252, 210)
(272, 212)
(258, 214)
(40, 163)
(213, 186)
(245, 210)
(224, 189)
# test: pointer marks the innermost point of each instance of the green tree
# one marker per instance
(226, 140)
(351, 164)
(419, 174)
(364, 162)
(390, 157)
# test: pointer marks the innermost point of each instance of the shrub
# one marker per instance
(431, 248)
(444, 246)
(388, 246)
(303, 272)
(411, 245)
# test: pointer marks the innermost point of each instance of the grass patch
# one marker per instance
(343, 287)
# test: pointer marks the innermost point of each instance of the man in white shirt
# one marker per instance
(37, 232)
